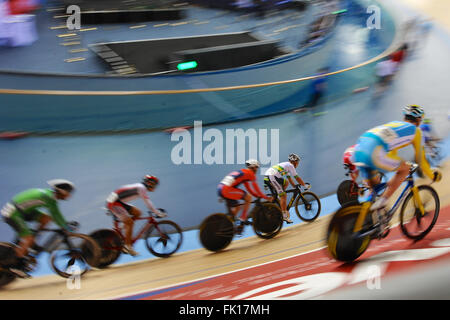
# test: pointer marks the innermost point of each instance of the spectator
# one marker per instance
(384, 70)
(319, 86)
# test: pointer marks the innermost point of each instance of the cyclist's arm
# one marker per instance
(148, 202)
(293, 173)
(256, 192)
(56, 215)
(420, 155)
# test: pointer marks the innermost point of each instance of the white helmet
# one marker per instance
(293, 157)
(252, 163)
(61, 185)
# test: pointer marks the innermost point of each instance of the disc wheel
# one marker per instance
(343, 244)
(110, 243)
(267, 220)
(216, 232)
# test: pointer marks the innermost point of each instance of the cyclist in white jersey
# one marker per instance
(277, 177)
(117, 203)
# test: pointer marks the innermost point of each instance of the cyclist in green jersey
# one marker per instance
(24, 208)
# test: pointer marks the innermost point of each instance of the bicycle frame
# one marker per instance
(291, 202)
(366, 205)
(150, 221)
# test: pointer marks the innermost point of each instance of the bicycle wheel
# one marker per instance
(343, 244)
(216, 232)
(413, 224)
(7, 258)
(110, 243)
(307, 206)
(164, 239)
(347, 191)
(69, 261)
(267, 220)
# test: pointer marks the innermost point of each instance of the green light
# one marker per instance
(187, 65)
(339, 11)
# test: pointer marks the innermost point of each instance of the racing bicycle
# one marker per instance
(162, 238)
(352, 227)
(218, 229)
(70, 254)
(307, 204)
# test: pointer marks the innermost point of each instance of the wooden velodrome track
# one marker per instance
(126, 279)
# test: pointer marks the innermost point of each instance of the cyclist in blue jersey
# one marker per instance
(376, 150)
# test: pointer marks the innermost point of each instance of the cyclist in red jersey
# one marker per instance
(228, 188)
(348, 161)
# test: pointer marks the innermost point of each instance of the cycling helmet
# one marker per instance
(61, 185)
(150, 181)
(252, 163)
(293, 157)
(427, 121)
(414, 111)
(348, 158)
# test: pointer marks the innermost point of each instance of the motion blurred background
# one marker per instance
(98, 104)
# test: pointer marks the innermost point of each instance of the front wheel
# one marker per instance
(267, 220)
(68, 260)
(343, 244)
(216, 232)
(414, 225)
(307, 206)
(164, 238)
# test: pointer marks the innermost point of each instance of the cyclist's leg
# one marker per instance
(279, 189)
(26, 237)
(231, 195)
(135, 212)
(386, 162)
(122, 214)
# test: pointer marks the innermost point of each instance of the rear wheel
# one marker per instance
(110, 243)
(7, 258)
(216, 232)
(415, 225)
(164, 239)
(347, 192)
(307, 206)
(267, 220)
(343, 244)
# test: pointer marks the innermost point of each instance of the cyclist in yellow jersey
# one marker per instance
(376, 150)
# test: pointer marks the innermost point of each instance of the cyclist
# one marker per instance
(277, 177)
(117, 203)
(228, 189)
(24, 208)
(347, 159)
(377, 151)
(428, 133)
